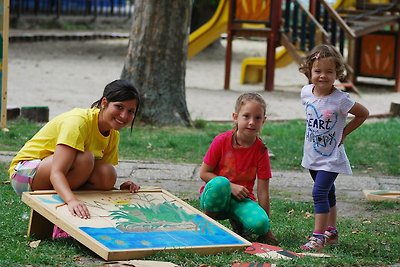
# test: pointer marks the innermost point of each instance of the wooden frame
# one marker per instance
(4, 28)
(382, 195)
(131, 226)
(270, 31)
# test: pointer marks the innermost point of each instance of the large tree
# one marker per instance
(156, 59)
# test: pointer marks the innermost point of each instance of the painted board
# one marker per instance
(138, 263)
(127, 226)
(382, 195)
(271, 252)
(253, 264)
(277, 253)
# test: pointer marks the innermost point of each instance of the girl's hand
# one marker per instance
(78, 208)
(239, 192)
(129, 185)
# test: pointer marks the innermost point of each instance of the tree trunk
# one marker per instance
(156, 60)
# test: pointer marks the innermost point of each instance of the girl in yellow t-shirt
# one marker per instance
(77, 150)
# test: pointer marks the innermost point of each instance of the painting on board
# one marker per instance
(131, 226)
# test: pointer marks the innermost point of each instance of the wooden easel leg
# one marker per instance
(39, 226)
(228, 61)
(397, 64)
(270, 64)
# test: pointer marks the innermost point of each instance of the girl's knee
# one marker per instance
(216, 195)
(252, 216)
(332, 202)
(259, 226)
(319, 195)
(218, 186)
(263, 228)
(332, 197)
(84, 160)
(220, 182)
(104, 176)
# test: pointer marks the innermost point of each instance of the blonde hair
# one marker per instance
(246, 97)
(323, 51)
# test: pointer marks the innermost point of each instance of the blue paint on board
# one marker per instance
(115, 239)
(55, 199)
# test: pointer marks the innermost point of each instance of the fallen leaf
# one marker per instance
(307, 215)
(34, 244)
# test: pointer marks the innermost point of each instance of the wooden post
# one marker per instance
(395, 109)
(4, 20)
(228, 53)
(397, 62)
(312, 7)
(351, 59)
(276, 15)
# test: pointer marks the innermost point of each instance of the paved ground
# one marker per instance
(64, 74)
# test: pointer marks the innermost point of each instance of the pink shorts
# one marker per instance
(23, 175)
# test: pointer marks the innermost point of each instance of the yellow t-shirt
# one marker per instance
(78, 129)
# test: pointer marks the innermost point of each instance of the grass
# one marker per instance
(364, 241)
(372, 149)
(369, 240)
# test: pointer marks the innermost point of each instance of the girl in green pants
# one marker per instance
(235, 160)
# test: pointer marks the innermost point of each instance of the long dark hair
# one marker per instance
(118, 91)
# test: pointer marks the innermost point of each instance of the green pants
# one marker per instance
(217, 198)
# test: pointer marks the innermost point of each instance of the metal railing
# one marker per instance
(58, 8)
(303, 30)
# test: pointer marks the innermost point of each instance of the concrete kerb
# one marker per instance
(183, 179)
(179, 179)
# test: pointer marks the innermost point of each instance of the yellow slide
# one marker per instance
(217, 25)
(253, 68)
(210, 31)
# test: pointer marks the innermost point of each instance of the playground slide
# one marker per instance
(210, 31)
(252, 70)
